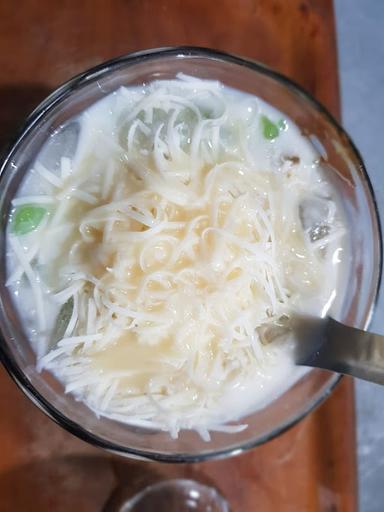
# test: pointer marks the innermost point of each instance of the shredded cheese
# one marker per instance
(180, 238)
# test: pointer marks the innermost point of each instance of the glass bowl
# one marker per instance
(343, 167)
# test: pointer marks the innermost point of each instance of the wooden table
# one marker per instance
(42, 43)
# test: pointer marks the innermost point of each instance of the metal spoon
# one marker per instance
(330, 345)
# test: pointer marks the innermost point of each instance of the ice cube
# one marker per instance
(63, 143)
(314, 212)
(316, 215)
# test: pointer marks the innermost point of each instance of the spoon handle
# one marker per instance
(331, 345)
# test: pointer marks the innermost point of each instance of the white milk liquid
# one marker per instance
(94, 133)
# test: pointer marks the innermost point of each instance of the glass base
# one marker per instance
(176, 496)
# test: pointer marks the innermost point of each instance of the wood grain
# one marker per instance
(42, 43)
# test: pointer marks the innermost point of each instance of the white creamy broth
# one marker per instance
(154, 240)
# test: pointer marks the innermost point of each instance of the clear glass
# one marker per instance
(176, 496)
(344, 168)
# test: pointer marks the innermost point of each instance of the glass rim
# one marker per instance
(60, 94)
(173, 484)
